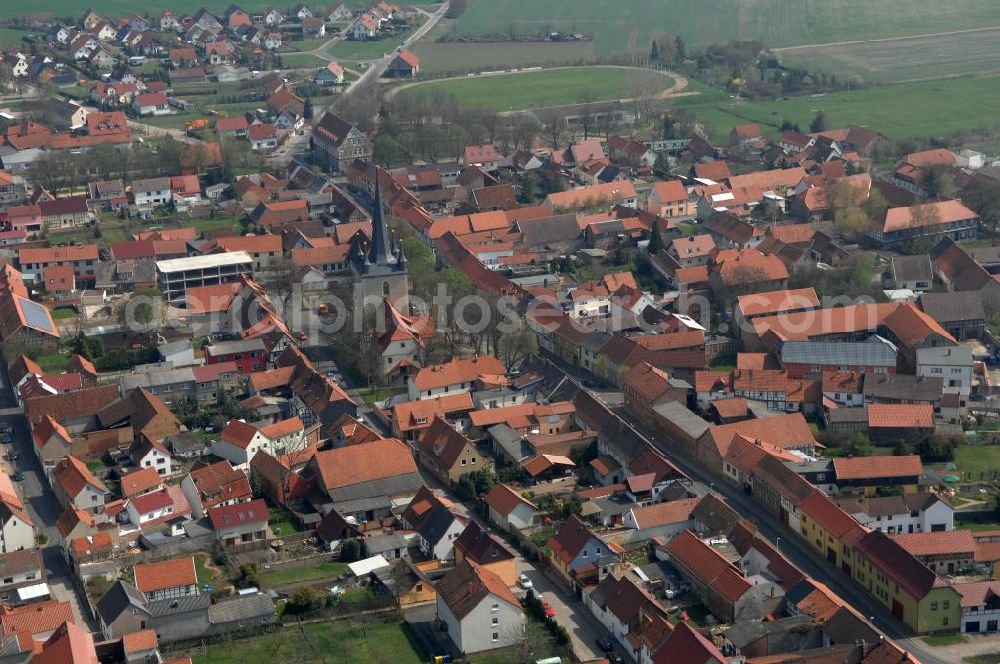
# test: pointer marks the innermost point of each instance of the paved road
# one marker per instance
(41, 504)
(789, 543)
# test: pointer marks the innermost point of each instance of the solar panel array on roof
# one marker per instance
(36, 316)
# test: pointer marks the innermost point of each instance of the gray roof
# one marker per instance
(240, 609)
(902, 387)
(150, 184)
(175, 346)
(874, 351)
(953, 306)
(683, 418)
(156, 378)
(887, 505)
(957, 356)
(374, 494)
(185, 442)
(118, 598)
(746, 632)
(912, 268)
(557, 228)
(235, 346)
(186, 604)
(382, 543)
(838, 415)
(509, 440)
(436, 524)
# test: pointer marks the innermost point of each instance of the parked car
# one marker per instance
(550, 612)
(19, 476)
(604, 644)
(6, 435)
(524, 581)
(12, 456)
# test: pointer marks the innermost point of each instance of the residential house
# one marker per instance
(215, 485)
(338, 143)
(921, 512)
(579, 556)
(485, 549)
(447, 452)
(167, 579)
(478, 610)
(508, 509)
(74, 483)
(240, 523)
(933, 221)
(240, 441)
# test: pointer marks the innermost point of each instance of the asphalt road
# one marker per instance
(41, 503)
(789, 542)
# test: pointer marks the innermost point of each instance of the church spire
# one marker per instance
(381, 250)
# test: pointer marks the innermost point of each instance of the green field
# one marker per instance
(900, 110)
(438, 58)
(337, 641)
(540, 89)
(629, 25)
(10, 38)
(912, 59)
(971, 459)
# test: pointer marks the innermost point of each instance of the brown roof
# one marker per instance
(71, 405)
(708, 565)
(649, 382)
(481, 546)
(898, 564)
(831, 518)
(71, 517)
(762, 304)
(150, 577)
(742, 266)
(713, 170)
(457, 371)
(467, 585)
(660, 514)
(443, 442)
(139, 641)
(928, 214)
(503, 499)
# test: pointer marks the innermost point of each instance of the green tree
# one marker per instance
(940, 183)
(302, 600)
(851, 222)
(859, 445)
(655, 239)
(350, 550)
(654, 51)
(820, 122)
(307, 108)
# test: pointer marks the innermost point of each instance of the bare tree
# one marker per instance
(587, 116)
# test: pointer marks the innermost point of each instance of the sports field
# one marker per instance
(908, 59)
(541, 89)
(899, 110)
(630, 25)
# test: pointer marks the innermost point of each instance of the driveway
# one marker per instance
(583, 628)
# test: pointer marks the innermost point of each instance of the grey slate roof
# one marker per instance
(875, 351)
(902, 387)
(509, 440)
(119, 597)
(912, 268)
(953, 306)
(681, 417)
(241, 609)
(557, 228)
(436, 524)
(186, 604)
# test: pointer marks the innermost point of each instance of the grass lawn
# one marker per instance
(324, 570)
(372, 395)
(307, 44)
(540, 89)
(365, 50)
(335, 641)
(202, 225)
(975, 459)
(53, 362)
(64, 313)
(990, 658)
(301, 60)
(206, 577)
(173, 121)
(631, 26)
(11, 38)
(724, 362)
(974, 526)
(281, 523)
(900, 110)
(944, 640)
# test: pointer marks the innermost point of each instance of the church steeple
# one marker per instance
(381, 252)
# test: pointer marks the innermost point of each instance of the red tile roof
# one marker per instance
(874, 467)
(230, 515)
(72, 474)
(36, 618)
(139, 641)
(457, 371)
(831, 518)
(166, 574)
(708, 565)
(763, 304)
(901, 415)
(356, 464)
(660, 514)
(139, 481)
(937, 543)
